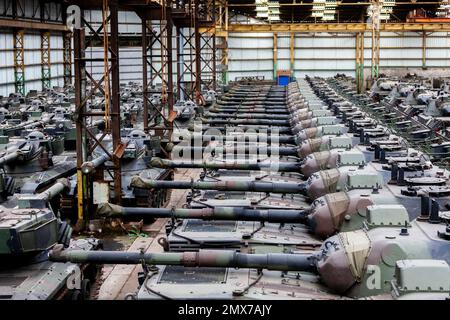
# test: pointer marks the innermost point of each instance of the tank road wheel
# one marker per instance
(82, 294)
(160, 199)
(86, 289)
(76, 295)
(165, 197)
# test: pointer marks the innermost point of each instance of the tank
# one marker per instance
(318, 183)
(328, 215)
(133, 162)
(210, 98)
(29, 231)
(366, 260)
(185, 110)
(36, 153)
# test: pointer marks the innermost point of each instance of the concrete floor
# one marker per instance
(119, 280)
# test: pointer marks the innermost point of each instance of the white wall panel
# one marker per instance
(328, 54)
(319, 54)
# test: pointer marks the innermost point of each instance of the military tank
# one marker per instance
(36, 153)
(279, 249)
(135, 161)
(29, 230)
(367, 261)
(185, 110)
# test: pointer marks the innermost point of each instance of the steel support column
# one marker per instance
(359, 67)
(221, 33)
(45, 60)
(80, 121)
(275, 55)
(158, 69)
(67, 58)
(292, 53)
(108, 86)
(206, 52)
(424, 50)
(196, 50)
(375, 52)
(186, 72)
(375, 65)
(115, 99)
(198, 53)
(19, 61)
(207, 58)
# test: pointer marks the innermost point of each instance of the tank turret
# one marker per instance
(366, 260)
(33, 226)
(318, 184)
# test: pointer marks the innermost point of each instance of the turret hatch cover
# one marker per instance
(191, 275)
(425, 181)
(392, 253)
(210, 226)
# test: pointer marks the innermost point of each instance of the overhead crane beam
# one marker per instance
(338, 27)
(338, 4)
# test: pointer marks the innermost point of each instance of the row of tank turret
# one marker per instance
(339, 209)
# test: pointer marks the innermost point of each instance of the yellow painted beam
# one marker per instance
(337, 27)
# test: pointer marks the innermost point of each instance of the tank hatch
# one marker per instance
(210, 226)
(340, 142)
(27, 230)
(422, 275)
(363, 180)
(190, 275)
(387, 215)
(349, 158)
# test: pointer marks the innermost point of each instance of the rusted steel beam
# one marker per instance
(115, 98)
(31, 25)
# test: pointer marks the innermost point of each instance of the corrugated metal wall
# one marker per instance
(29, 9)
(32, 57)
(325, 54)
(249, 54)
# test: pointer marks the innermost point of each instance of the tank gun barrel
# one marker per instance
(43, 121)
(217, 213)
(219, 109)
(23, 125)
(270, 122)
(89, 166)
(9, 157)
(61, 185)
(255, 186)
(252, 115)
(216, 165)
(202, 258)
(240, 149)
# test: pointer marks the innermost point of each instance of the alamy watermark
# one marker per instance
(73, 20)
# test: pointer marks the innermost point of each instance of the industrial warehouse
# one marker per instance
(225, 150)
